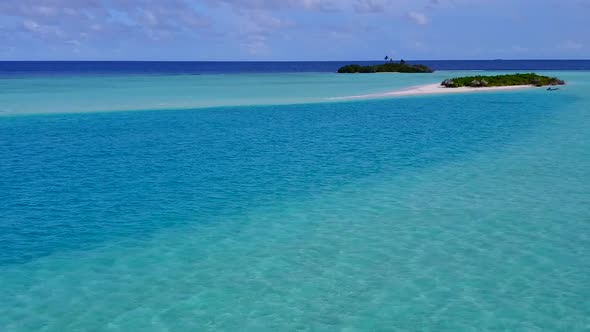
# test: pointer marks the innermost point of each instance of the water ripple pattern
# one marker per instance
(439, 213)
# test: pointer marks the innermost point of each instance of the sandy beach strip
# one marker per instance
(429, 89)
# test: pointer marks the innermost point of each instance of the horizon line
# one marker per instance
(232, 61)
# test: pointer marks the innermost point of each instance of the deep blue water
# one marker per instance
(72, 181)
(11, 68)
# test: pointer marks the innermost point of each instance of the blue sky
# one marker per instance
(293, 29)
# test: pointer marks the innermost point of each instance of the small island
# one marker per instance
(501, 80)
(388, 67)
(472, 84)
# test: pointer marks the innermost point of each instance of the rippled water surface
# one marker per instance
(440, 213)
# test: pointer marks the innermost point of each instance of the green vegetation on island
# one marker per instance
(501, 80)
(387, 67)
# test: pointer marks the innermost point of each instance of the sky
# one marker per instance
(262, 30)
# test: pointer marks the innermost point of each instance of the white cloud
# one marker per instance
(418, 18)
(572, 45)
(255, 29)
(256, 45)
(519, 49)
(370, 6)
(322, 5)
(70, 19)
(42, 29)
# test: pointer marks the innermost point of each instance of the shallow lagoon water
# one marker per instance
(438, 213)
(92, 93)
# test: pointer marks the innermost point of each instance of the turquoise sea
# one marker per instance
(253, 202)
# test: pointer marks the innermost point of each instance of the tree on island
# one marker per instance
(501, 80)
(388, 67)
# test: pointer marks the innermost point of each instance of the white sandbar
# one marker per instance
(436, 88)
